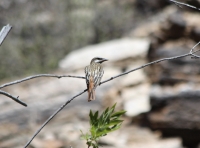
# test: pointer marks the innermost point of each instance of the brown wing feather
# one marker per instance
(91, 90)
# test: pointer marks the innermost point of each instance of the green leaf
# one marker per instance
(96, 115)
(115, 127)
(102, 116)
(117, 114)
(106, 117)
(103, 132)
(100, 126)
(94, 145)
(94, 119)
(93, 131)
(108, 114)
(91, 114)
(114, 106)
(114, 122)
(106, 131)
(85, 137)
(107, 109)
(91, 117)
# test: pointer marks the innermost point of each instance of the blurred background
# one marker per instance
(61, 37)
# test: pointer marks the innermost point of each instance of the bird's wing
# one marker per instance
(87, 75)
(98, 73)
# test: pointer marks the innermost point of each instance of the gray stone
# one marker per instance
(135, 77)
(114, 50)
(142, 139)
(136, 100)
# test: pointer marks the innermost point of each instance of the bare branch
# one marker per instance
(154, 62)
(53, 115)
(4, 32)
(179, 4)
(36, 76)
(57, 111)
(12, 97)
(192, 51)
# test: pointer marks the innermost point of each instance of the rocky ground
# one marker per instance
(161, 100)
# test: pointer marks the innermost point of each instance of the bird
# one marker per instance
(94, 72)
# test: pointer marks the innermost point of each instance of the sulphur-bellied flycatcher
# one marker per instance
(94, 73)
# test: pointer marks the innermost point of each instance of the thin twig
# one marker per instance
(12, 97)
(36, 76)
(154, 62)
(53, 115)
(179, 3)
(4, 32)
(192, 52)
(57, 111)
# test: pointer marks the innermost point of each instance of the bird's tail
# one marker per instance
(91, 91)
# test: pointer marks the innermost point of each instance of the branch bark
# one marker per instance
(37, 76)
(13, 98)
(4, 32)
(180, 3)
(29, 78)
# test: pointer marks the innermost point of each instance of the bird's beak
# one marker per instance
(103, 60)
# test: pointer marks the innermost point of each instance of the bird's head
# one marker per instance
(98, 60)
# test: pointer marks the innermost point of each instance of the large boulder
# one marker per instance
(174, 92)
(114, 50)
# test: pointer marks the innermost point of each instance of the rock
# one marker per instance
(114, 93)
(152, 26)
(136, 106)
(193, 25)
(192, 19)
(136, 100)
(166, 72)
(111, 97)
(126, 138)
(129, 98)
(110, 72)
(50, 143)
(195, 34)
(174, 27)
(135, 77)
(177, 115)
(115, 50)
(174, 95)
(146, 6)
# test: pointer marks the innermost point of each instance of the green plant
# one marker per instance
(100, 126)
